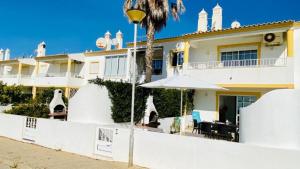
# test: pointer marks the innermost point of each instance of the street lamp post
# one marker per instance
(135, 16)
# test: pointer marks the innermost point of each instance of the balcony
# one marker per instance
(59, 79)
(230, 64)
(252, 71)
(9, 79)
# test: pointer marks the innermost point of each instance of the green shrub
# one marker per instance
(13, 94)
(120, 95)
(45, 95)
(24, 104)
(31, 109)
(167, 102)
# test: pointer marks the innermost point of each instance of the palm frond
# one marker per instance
(157, 11)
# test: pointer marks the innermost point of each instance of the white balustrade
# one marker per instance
(268, 62)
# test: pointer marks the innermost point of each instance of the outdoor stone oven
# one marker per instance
(57, 106)
(151, 116)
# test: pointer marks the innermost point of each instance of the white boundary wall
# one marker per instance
(152, 150)
(162, 151)
(273, 120)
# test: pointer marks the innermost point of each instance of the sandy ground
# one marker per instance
(19, 155)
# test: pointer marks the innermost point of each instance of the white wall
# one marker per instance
(71, 137)
(163, 151)
(297, 58)
(273, 120)
(205, 103)
(91, 104)
(152, 150)
(165, 123)
(264, 75)
(11, 126)
(59, 81)
(66, 136)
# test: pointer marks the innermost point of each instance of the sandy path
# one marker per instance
(19, 155)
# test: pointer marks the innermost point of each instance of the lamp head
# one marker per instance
(136, 15)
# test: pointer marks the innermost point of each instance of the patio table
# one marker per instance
(220, 130)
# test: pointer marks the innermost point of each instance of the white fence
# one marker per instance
(152, 150)
(268, 62)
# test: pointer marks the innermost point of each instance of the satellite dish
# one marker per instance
(114, 42)
(101, 43)
(235, 24)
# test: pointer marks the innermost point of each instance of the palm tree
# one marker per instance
(157, 12)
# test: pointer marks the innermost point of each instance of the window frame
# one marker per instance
(90, 68)
(118, 57)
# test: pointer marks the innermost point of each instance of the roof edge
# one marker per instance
(248, 28)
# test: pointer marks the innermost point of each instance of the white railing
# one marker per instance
(269, 62)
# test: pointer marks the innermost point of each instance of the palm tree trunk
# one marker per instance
(149, 51)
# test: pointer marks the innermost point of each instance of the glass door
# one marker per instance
(243, 101)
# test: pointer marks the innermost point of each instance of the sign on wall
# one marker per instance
(104, 140)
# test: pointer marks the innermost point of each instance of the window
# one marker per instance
(177, 58)
(115, 66)
(157, 67)
(239, 58)
(244, 101)
(94, 67)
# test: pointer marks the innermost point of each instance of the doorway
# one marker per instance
(229, 107)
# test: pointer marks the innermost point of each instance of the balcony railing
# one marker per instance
(268, 62)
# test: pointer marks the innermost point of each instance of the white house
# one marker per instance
(248, 60)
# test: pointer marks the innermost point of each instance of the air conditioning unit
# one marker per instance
(273, 39)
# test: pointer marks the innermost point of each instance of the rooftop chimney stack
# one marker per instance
(119, 40)
(1, 54)
(217, 18)
(7, 54)
(107, 37)
(202, 21)
(41, 50)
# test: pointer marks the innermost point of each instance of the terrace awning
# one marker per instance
(182, 82)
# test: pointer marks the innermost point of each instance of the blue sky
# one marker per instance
(74, 25)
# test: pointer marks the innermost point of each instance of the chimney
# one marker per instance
(7, 54)
(202, 21)
(217, 18)
(1, 54)
(107, 38)
(41, 50)
(119, 38)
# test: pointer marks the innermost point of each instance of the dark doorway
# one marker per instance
(227, 109)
